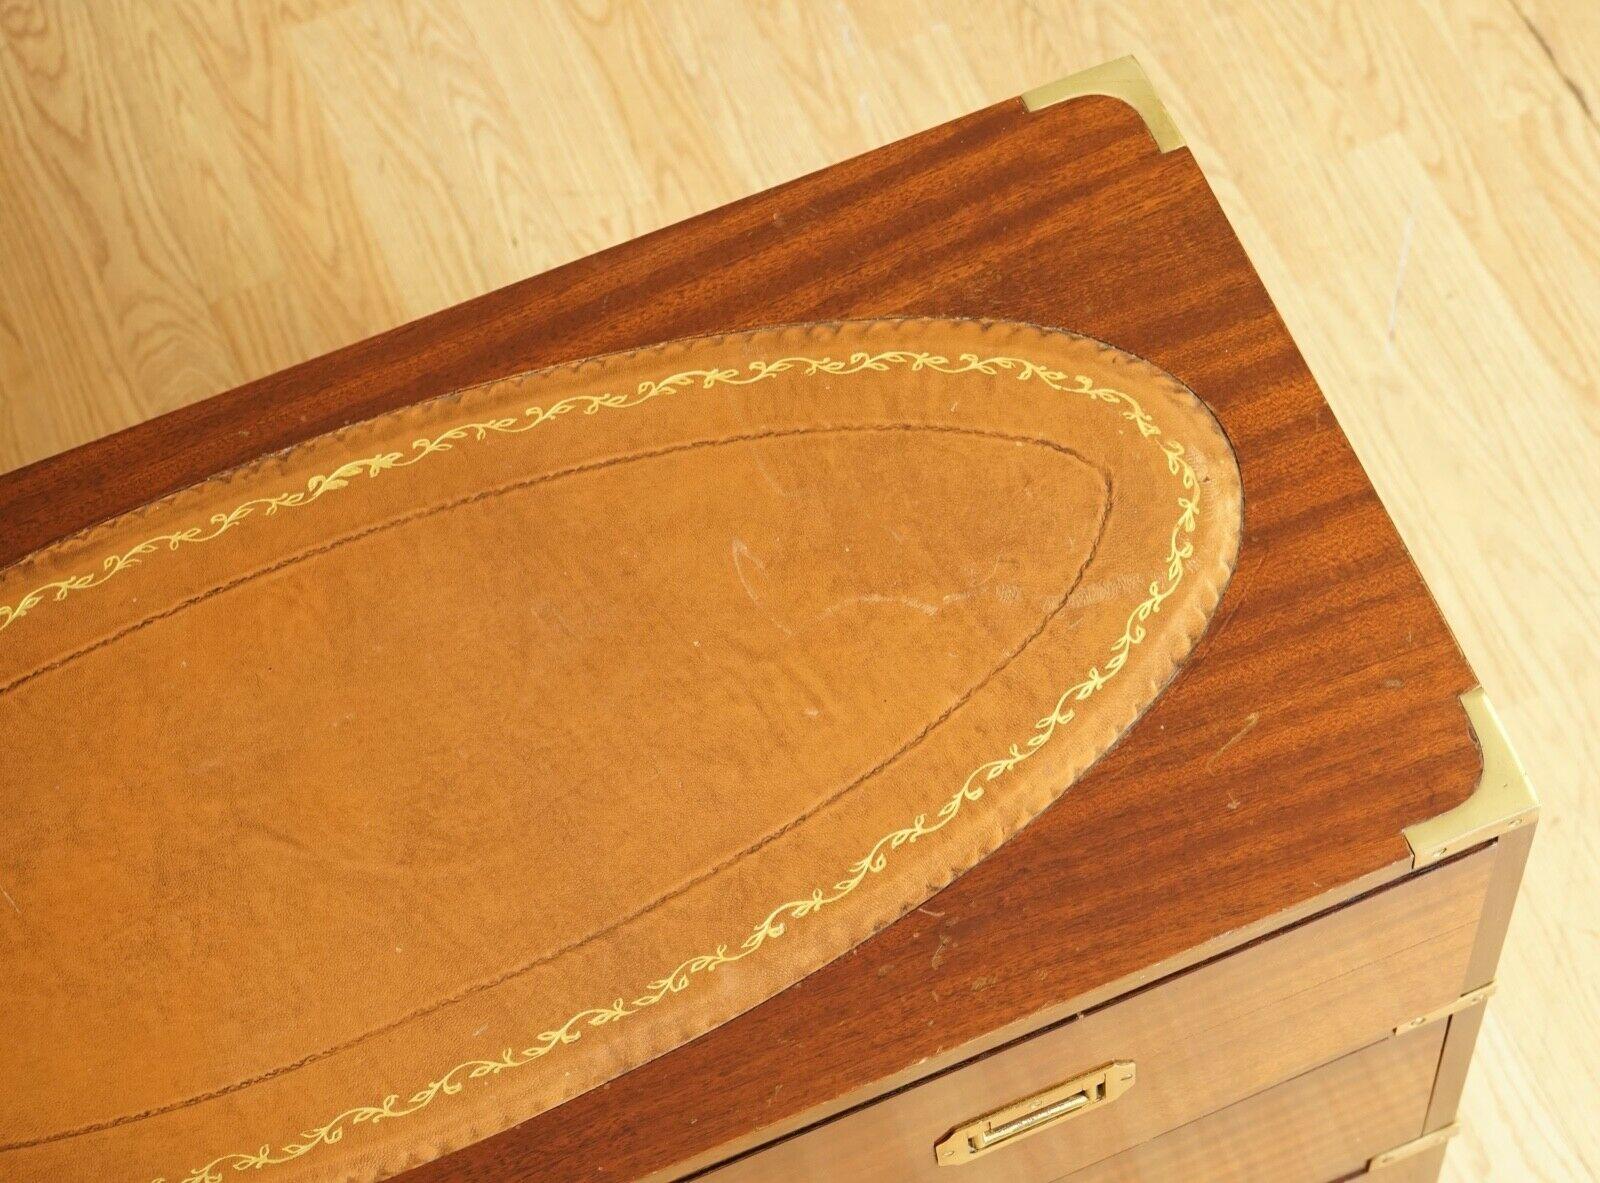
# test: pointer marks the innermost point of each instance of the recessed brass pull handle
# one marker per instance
(1017, 1120)
(984, 1139)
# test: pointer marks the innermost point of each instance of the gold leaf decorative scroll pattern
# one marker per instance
(1163, 583)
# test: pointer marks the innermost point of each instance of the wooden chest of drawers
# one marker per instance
(1259, 944)
(1296, 1056)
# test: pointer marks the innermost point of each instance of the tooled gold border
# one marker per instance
(774, 925)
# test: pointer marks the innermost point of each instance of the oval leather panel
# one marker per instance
(392, 790)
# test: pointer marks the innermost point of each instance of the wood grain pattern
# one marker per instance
(195, 195)
(1065, 215)
(1203, 1041)
(1325, 1124)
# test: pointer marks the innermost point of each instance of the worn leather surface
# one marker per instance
(372, 798)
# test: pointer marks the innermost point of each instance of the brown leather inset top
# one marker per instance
(372, 798)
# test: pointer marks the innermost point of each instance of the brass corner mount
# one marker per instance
(1412, 1149)
(1121, 78)
(1503, 801)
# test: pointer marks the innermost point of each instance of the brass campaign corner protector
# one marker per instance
(1121, 78)
(1503, 800)
(1438, 1014)
(1412, 1148)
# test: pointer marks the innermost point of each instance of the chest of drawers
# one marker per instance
(1258, 941)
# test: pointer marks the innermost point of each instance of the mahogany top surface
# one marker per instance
(1316, 719)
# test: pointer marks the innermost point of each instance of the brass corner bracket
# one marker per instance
(1503, 800)
(1412, 1148)
(1467, 1001)
(1122, 78)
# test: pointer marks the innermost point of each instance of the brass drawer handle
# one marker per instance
(1017, 1120)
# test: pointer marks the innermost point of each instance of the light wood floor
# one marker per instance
(193, 194)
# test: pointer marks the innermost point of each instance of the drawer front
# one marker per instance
(1201, 1041)
(1322, 1125)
